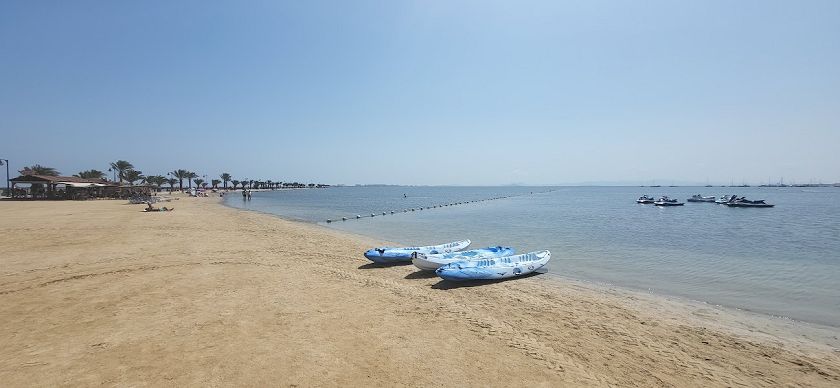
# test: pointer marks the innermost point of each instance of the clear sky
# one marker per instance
(427, 92)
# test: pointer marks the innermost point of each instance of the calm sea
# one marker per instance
(782, 261)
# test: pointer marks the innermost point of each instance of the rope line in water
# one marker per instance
(440, 206)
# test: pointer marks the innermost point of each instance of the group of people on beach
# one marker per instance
(246, 194)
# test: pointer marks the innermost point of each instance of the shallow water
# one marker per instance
(782, 261)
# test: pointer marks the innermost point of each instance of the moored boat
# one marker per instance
(499, 268)
(431, 262)
(665, 201)
(386, 255)
(645, 199)
(724, 199)
(700, 198)
(743, 202)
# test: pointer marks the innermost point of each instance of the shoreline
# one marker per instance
(767, 326)
(99, 292)
(759, 326)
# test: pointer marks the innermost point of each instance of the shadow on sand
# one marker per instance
(449, 284)
(377, 265)
(421, 275)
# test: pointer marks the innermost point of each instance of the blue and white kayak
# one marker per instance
(501, 268)
(431, 262)
(386, 255)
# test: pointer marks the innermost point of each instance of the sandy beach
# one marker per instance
(100, 293)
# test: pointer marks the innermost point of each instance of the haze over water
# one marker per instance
(780, 261)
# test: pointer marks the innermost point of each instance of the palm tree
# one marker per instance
(90, 174)
(156, 180)
(149, 180)
(131, 176)
(180, 174)
(225, 178)
(235, 183)
(191, 177)
(215, 183)
(171, 182)
(198, 182)
(38, 169)
(121, 166)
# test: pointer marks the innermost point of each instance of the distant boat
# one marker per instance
(665, 201)
(645, 199)
(725, 198)
(743, 202)
(700, 198)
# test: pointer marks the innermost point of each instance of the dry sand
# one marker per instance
(98, 292)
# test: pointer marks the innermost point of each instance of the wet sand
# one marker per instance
(98, 292)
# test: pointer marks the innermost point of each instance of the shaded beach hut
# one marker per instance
(61, 187)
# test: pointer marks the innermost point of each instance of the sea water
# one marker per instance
(782, 261)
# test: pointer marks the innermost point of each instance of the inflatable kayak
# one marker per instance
(500, 268)
(386, 255)
(431, 262)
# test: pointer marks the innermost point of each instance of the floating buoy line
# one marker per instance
(438, 206)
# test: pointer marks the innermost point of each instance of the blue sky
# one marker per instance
(431, 92)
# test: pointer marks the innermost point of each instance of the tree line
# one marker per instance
(126, 173)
